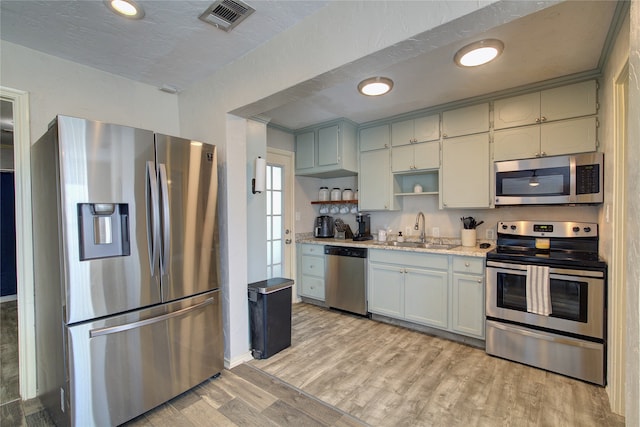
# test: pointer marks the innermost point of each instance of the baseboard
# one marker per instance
(239, 360)
(8, 298)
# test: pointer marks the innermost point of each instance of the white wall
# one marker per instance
(57, 86)
(296, 56)
(281, 140)
(256, 205)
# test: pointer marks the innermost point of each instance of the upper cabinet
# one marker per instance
(415, 131)
(374, 181)
(328, 150)
(548, 139)
(560, 103)
(415, 144)
(409, 158)
(305, 151)
(465, 172)
(547, 123)
(374, 138)
(465, 121)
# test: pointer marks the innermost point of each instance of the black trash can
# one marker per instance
(270, 316)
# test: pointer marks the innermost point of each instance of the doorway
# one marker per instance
(23, 240)
(280, 207)
(9, 374)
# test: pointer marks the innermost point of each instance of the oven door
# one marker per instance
(577, 299)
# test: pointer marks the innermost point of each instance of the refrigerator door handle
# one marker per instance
(121, 328)
(153, 215)
(166, 230)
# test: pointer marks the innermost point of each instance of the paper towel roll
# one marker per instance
(260, 175)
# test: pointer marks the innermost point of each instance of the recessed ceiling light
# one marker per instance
(478, 53)
(127, 8)
(375, 86)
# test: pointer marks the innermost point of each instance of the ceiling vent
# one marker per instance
(226, 14)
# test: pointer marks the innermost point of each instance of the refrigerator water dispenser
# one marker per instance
(104, 230)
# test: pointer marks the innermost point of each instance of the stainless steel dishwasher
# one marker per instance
(345, 278)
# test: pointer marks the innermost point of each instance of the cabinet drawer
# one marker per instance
(312, 250)
(410, 259)
(468, 265)
(312, 287)
(313, 265)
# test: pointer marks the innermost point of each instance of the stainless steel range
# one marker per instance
(546, 298)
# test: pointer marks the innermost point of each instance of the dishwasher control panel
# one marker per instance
(345, 251)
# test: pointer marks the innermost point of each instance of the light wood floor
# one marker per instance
(391, 376)
(344, 371)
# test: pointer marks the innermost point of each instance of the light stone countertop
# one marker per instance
(474, 251)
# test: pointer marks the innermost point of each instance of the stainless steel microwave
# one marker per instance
(556, 180)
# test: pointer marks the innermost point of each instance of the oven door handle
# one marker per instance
(515, 268)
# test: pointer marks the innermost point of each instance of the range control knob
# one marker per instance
(576, 229)
(504, 226)
(587, 229)
(513, 227)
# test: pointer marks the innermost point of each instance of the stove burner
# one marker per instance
(520, 245)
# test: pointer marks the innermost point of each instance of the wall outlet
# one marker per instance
(407, 231)
(490, 235)
(435, 231)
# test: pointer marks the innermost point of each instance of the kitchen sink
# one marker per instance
(420, 245)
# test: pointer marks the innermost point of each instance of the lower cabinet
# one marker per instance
(386, 289)
(426, 296)
(311, 271)
(440, 291)
(468, 296)
(409, 290)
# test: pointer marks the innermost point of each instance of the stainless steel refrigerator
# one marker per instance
(126, 254)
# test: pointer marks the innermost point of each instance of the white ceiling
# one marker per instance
(172, 47)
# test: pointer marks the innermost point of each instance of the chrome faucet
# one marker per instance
(417, 227)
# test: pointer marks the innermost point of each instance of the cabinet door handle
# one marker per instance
(466, 264)
(543, 119)
(538, 120)
(543, 154)
(479, 280)
(386, 145)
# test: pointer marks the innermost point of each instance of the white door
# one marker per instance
(280, 207)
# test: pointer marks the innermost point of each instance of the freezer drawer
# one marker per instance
(123, 366)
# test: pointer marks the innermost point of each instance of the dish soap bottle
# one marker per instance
(400, 237)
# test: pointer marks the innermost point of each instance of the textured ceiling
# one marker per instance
(171, 46)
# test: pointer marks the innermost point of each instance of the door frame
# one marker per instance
(618, 294)
(24, 242)
(287, 160)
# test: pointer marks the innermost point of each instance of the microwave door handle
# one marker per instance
(572, 179)
(153, 215)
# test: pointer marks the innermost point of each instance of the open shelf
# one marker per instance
(403, 183)
(334, 202)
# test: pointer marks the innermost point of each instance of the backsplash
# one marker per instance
(446, 221)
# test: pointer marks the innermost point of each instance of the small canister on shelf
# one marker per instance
(323, 194)
(335, 194)
(347, 194)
